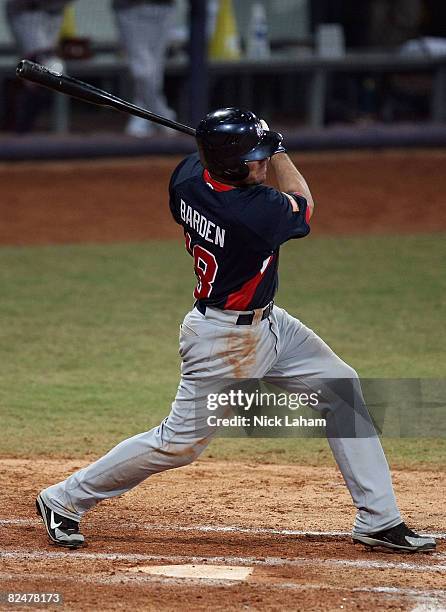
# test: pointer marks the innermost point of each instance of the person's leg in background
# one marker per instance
(36, 32)
(144, 29)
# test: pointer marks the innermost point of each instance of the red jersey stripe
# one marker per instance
(239, 300)
(308, 211)
(307, 215)
(216, 185)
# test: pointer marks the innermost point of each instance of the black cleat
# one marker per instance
(61, 530)
(397, 538)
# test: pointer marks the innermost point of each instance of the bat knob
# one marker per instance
(26, 67)
(20, 68)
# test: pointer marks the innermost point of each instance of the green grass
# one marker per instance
(88, 336)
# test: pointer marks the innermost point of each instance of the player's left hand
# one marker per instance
(280, 147)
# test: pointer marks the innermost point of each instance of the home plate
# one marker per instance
(205, 572)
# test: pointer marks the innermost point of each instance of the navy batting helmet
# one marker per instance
(229, 137)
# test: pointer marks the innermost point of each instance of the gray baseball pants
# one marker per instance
(212, 346)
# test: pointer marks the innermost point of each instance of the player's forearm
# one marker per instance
(289, 179)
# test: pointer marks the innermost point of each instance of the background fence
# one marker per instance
(326, 68)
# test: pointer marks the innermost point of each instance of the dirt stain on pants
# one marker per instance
(241, 353)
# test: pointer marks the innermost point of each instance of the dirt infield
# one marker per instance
(126, 200)
(289, 529)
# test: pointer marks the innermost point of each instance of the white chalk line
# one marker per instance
(39, 555)
(211, 529)
(428, 606)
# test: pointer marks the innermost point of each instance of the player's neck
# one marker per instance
(219, 185)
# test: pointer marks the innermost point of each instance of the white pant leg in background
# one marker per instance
(34, 31)
(144, 31)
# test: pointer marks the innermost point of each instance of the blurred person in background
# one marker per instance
(35, 26)
(144, 27)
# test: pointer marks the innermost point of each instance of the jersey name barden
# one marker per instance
(204, 227)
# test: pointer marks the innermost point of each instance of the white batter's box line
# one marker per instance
(38, 555)
(257, 530)
(212, 529)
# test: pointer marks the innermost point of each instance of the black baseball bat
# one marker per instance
(62, 83)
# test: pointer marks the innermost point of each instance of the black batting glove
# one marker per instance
(280, 147)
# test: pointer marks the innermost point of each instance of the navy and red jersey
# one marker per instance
(234, 235)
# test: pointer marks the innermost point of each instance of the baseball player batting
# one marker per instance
(234, 226)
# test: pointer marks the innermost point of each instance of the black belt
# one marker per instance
(243, 319)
